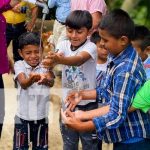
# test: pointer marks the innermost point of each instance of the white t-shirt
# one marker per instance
(33, 102)
(100, 70)
(82, 77)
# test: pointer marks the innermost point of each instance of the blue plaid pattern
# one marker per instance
(124, 76)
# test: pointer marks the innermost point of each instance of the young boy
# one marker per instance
(141, 43)
(31, 120)
(124, 76)
(78, 56)
(101, 59)
(100, 69)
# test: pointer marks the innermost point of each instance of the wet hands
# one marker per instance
(51, 60)
(73, 98)
(34, 77)
(70, 120)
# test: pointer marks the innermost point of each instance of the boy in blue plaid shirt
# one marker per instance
(124, 76)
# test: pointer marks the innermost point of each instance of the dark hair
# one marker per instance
(118, 23)
(78, 19)
(145, 43)
(29, 38)
(141, 32)
(95, 37)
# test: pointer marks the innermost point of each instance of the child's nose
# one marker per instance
(74, 34)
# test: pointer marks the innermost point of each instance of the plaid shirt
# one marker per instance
(124, 76)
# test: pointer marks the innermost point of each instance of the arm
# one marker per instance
(89, 115)
(96, 16)
(123, 86)
(97, 8)
(34, 13)
(26, 82)
(53, 59)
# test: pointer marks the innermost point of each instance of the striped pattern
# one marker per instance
(124, 76)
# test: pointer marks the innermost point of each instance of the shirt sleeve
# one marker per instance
(120, 100)
(91, 49)
(19, 68)
(97, 5)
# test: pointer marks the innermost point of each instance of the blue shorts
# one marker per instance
(30, 131)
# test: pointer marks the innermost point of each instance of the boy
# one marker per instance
(100, 69)
(124, 76)
(101, 59)
(78, 56)
(31, 120)
(141, 43)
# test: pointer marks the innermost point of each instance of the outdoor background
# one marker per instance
(139, 10)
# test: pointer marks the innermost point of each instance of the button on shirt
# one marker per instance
(4, 67)
(62, 9)
(125, 75)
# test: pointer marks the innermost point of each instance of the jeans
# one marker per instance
(12, 34)
(2, 104)
(71, 137)
(141, 145)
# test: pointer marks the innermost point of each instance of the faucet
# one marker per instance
(45, 10)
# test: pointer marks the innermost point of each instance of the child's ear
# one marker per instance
(20, 52)
(124, 40)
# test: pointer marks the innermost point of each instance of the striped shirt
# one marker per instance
(124, 76)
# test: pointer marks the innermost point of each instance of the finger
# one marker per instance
(69, 106)
(70, 114)
(73, 107)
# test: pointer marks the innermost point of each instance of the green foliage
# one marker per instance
(140, 14)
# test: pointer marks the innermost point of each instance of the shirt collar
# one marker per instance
(118, 59)
(29, 67)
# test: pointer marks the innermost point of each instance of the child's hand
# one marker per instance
(73, 99)
(46, 80)
(51, 60)
(34, 77)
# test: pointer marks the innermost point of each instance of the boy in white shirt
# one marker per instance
(78, 56)
(31, 120)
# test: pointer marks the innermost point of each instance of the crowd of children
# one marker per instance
(105, 85)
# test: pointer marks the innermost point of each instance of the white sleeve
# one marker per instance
(19, 68)
(91, 48)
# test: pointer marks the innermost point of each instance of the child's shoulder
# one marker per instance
(19, 63)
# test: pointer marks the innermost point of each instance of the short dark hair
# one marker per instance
(118, 23)
(95, 37)
(145, 43)
(140, 32)
(78, 19)
(29, 38)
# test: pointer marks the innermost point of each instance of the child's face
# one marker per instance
(143, 54)
(112, 44)
(102, 52)
(31, 54)
(77, 36)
